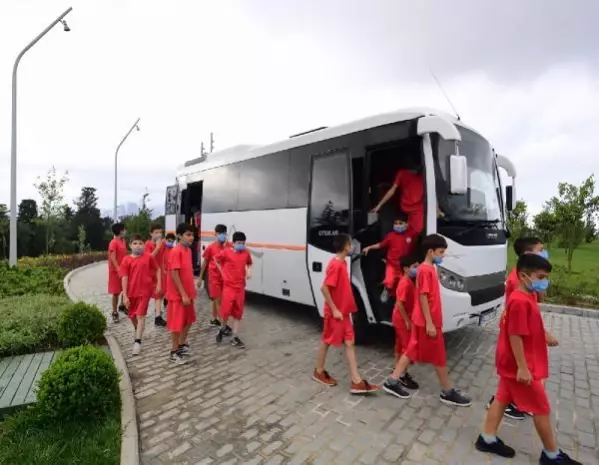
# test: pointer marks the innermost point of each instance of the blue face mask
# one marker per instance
(399, 229)
(169, 244)
(137, 252)
(221, 237)
(544, 254)
(184, 243)
(413, 272)
(539, 285)
(437, 260)
(239, 247)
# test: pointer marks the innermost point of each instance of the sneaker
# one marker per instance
(177, 359)
(184, 350)
(395, 389)
(498, 448)
(408, 382)
(454, 397)
(384, 296)
(123, 309)
(324, 378)
(363, 387)
(159, 321)
(136, 348)
(215, 323)
(227, 330)
(561, 459)
(115, 317)
(236, 342)
(510, 411)
(219, 336)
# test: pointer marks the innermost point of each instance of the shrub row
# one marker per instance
(63, 262)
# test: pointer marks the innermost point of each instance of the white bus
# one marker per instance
(292, 197)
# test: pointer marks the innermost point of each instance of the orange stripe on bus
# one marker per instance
(209, 235)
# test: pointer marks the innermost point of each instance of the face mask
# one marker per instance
(137, 252)
(221, 237)
(156, 237)
(538, 285)
(239, 247)
(184, 243)
(399, 229)
(169, 244)
(544, 254)
(437, 260)
(122, 234)
(413, 272)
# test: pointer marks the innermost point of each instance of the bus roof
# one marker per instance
(245, 152)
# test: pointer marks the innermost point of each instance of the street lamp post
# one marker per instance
(116, 156)
(12, 256)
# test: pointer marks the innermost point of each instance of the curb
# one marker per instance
(573, 311)
(129, 431)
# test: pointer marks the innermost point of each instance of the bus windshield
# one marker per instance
(481, 202)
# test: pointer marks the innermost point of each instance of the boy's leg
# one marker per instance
(139, 327)
(184, 334)
(175, 338)
(158, 306)
(352, 362)
(321, 357)
(115, 303)
(543, 426)
(443, 377)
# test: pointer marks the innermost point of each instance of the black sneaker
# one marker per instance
(227, 330)
(510, 411)
(454, 397)
(115, 317)
(236, 342)
(159, 321)
(562, 459)
(220, 336)
(408, 382)
(216, 323)
(394, 388)
(498, 448)
(184, 350)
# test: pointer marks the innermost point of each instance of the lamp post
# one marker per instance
(116, 156)
(12, 255)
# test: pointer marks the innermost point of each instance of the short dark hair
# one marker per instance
(401, 216)
(136, 237)
(170, 237)
(433, 242)
(155, 227)
(238, 236)
(526, 244)
(407, 261)
(340, 241)
(220, 229)
(531, 262)
(117, 228)
(183, 228)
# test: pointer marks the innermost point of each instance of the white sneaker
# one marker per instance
(136, 348)
(177, 359)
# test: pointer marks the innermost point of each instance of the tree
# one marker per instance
(27, 211)
(572, 207)
(88, 216)
(81, 239)
(51, 192)
(590, 230)
(518, 219)
(3, 230)
(545, 224)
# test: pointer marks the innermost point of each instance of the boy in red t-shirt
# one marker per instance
(338, 326)
(522, 364)
(215, 280)
(117, 250)
(235, 266)
(399, 243)
(155, 247)
(140, 276)
(402, 314)
(426, 341)
(181, 293)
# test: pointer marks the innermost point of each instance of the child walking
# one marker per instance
(338, 327)
(117, 250)
(181, 293)
(156, 248)
(140, 277)
(235, 266)
(426, 340)
(522, 363)
(170, 241)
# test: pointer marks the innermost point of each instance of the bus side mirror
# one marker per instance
(510, 198)
(458, 174)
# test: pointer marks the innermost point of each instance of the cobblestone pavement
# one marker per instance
(259, 406)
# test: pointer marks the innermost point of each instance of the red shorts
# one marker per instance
(425, 349)
(392, 274)
(336, 332)
(179, 315)
(531, 398)
(215, 286)
(114, 283)
(402, 334)
(416, 220)
(138, 306)
(232, 302)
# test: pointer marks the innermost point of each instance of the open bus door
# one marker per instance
(328, 215)
(172, 208)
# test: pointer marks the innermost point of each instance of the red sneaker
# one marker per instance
(324, 378)
(363, 387)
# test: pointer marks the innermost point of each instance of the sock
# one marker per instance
(551, 455)
(488, 438)
(138, 341)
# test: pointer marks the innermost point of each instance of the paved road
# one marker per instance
(259, 406)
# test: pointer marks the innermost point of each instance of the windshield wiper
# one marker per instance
(477, 224)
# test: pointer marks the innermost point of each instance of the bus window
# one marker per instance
(264, 183)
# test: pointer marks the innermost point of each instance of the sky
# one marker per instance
(523, 74)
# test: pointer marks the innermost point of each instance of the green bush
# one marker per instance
(81, 324)
(81, 385)
(29, 323)
(30, 280)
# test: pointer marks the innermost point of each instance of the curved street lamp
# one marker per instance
(116, 156)
(12, 256)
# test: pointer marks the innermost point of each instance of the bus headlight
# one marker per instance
(451, 280)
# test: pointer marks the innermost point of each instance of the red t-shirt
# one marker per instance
(411, 186)
(337, 280)
(398, 245)
(427, 283)
(118, 247)
(141, 274)
(513, 284)
(405, 294)
(233, 265)
(180, 259)
(150, 246)
(522, 317)
(212, 251)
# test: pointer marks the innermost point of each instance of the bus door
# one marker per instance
(328, 215)
(172, 208)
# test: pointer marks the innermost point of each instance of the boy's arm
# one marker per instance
(202, 270)
(179, 285)
(385, 198)
(248, 267)
(518, 350)
(403, 313)
(329, 300)
(112, 259)
(125, 284)
(157, 248)
(372, 247)
(426, 311)
(158, 280)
